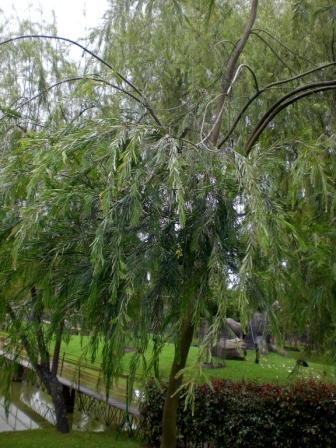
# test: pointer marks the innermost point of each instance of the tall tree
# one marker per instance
(33, 288)
(150, 203)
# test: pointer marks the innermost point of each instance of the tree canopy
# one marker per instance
(188, 161)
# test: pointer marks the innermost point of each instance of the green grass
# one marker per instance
(49, 438)
(273, 368)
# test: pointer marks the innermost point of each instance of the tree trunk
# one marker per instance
(169, 418)
(57, 348)
(55, 390)
(230, 72)
(47, 376)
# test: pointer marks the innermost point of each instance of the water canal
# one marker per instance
(19, 416)
(31, 408)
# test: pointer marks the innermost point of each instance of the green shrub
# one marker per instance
(248, 415)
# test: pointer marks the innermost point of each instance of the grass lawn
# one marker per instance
(272, 367)
(49, 438)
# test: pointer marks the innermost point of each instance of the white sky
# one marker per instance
(72, 22)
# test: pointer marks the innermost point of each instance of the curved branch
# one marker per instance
(267, 87)
(86, 50)
(69, 80)
(298, 56)
(239, 69)
(293, 93)
(95, 56)
(231, 66)
(282, 104)
(300, 75)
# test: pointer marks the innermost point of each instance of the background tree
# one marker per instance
(34, 285)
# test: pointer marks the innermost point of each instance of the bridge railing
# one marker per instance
(77, 371)
(88, 374)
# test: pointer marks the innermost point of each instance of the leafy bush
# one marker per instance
(248, 415)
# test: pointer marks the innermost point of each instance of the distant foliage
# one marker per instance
(248, 415)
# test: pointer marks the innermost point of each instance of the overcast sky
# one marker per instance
(72, 22)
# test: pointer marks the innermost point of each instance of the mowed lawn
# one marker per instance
(49, 438)
(272, 368)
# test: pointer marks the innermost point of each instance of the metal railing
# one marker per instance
(116, 406)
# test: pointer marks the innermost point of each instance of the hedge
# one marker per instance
(248, 415)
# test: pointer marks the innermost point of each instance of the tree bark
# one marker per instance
(57, 348)
(57, 395)
(230, 72)
(42, 368)
(55, 390)
(169, 418)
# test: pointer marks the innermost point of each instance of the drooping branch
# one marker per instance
(239, 69)
(25, 342)
(72, 42)
(95, 56)
(231, 68)
(74, 79)
(268, 45)
(286, 101)
(264, 89)
(289, 50)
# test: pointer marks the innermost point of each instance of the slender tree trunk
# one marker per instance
(169, 418)
(57, 395)
(55, 390)
(57, 348)
(47, 375)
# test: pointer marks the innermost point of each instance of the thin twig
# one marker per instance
(282, 44)
(69, 80)
(95, 56)
(239, 69)
(272, 50)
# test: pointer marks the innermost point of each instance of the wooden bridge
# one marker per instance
(83, 387)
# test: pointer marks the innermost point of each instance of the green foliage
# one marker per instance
(123, 216)
(241, 414)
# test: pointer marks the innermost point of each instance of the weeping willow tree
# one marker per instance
(35, 286)
(134, 214)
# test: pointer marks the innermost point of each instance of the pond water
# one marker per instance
(19, 416)
(31, 408)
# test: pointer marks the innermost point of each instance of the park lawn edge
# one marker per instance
(43, 438)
